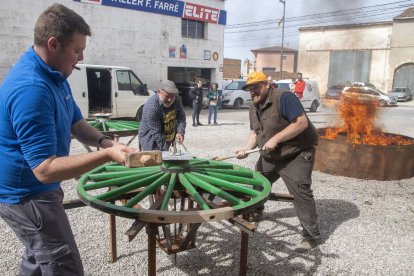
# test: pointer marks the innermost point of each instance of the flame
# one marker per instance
(358, 124)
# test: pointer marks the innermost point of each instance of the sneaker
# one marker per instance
(306, 245)
(199, 124)
(215, 123)
(194, 125)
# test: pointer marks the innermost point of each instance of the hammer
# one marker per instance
(232, 156)
(143, 158)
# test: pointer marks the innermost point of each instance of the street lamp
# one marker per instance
(283, 37)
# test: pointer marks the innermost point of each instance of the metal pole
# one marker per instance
(283, 36)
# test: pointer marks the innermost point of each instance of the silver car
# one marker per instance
(365, 93)
(402, 94)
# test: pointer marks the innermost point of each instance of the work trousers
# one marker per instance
(296, 174)
(196, 112)
(43, 227)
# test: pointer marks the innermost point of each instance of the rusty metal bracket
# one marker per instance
(244, 225)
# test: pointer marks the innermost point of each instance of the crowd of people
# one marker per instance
(38, 117)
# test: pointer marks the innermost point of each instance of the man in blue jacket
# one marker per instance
(38, 115)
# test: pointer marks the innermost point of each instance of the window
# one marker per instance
(127, 80)
(235, 85)
(192, 28)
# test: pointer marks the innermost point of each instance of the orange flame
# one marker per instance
(358, 123)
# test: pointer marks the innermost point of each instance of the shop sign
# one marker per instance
(171, 8)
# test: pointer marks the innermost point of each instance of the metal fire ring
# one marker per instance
(220, 190)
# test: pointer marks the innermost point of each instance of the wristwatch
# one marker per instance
(103, 138)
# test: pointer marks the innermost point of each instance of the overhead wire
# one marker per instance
(367, 14)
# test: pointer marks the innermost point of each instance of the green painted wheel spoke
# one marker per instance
(121, 125)
(192, 191)
(116, 181)
(212, 189)
(169, 191)
(215, 166)
(113, 126)
(247, 174)
(119, 168)
(237, 179)
(94, 124)
(226, 184)
(111, 175)
(128, 187)
(197, 162)
(148, 190)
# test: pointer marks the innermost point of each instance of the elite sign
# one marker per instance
(171, 8)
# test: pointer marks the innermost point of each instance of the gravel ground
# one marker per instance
(367, 226)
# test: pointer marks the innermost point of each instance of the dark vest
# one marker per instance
(272, 122)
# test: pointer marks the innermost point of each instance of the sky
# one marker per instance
(255, 24)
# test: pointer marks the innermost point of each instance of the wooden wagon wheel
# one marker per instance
(207, 190)
(220, 190)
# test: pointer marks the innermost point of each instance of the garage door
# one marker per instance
(346, 67)
(404, 76)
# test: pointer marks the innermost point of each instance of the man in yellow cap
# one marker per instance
(280, 128)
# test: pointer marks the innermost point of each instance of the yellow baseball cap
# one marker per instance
(253, 78)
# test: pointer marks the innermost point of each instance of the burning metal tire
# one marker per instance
(378, 162)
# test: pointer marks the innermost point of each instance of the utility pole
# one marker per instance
(283, 37)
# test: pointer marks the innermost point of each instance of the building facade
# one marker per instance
(231, 68)
(268, 60)
(178, 40)
(380, 53)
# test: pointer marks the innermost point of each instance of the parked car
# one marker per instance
(402, 94)
(311, 95)
(365, 93)
(235, 96)
(334, 91)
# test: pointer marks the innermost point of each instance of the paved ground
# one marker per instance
(367, 226)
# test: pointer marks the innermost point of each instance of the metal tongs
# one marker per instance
(176, 152)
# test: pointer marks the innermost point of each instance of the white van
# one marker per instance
(311, 95)
(108, 89)
(235, 96)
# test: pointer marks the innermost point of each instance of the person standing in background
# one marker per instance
(213, 98)
(38, 116)
(271, 83)
(197, 95)
(299, 86)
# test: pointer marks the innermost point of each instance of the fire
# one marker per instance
(358, 123)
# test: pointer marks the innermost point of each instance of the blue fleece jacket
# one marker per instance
(37, 111)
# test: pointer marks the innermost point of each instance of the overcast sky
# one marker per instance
(255, 24)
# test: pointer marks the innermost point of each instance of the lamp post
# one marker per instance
(283, 37)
